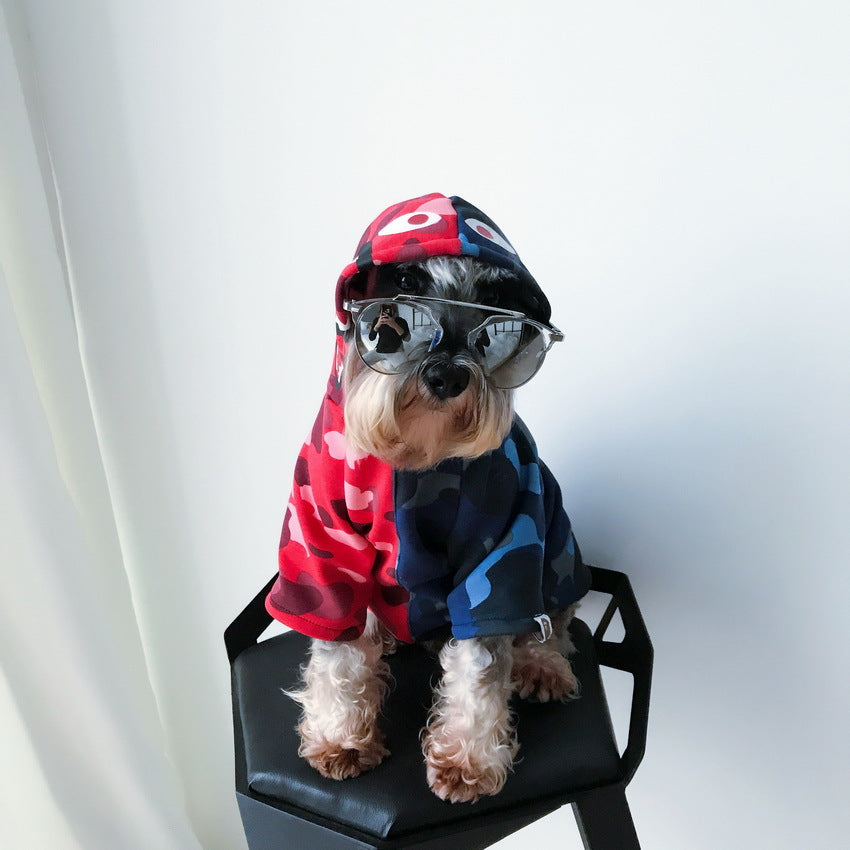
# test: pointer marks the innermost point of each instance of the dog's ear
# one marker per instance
(510, 291)
(356, 286)
(536, 304)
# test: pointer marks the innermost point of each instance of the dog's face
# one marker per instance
(440, 403)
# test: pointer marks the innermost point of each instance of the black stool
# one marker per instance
(567, 751)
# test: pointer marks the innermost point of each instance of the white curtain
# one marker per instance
(87, 761)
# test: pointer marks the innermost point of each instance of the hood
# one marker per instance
(431, 226)
(472, 546)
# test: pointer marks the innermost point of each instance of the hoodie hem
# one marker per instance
(491, 628)
(312, 629)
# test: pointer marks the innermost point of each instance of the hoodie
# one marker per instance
(469, 547)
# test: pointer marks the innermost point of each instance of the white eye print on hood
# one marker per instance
(409, 221)
(489, 233)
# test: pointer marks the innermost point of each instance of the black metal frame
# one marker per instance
(602, 814)
(633, 655)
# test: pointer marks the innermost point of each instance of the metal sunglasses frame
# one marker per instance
(550, 333)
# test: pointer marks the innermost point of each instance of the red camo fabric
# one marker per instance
(339, 547)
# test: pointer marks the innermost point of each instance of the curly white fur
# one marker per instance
(393, 417)
(469, 743)
(344, 685)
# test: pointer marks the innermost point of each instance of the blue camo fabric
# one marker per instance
(485, 546)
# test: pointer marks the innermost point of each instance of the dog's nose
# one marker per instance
(445, 380)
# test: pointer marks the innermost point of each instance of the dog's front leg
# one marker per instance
(343, 688)
(469, 743)
(542, 670)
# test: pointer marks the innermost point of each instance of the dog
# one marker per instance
(467, 549)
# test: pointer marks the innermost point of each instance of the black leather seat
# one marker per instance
(568, 751)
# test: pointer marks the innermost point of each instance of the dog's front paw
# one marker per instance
(463, 783)
(342, 760)
(544, 674)
(458, 774)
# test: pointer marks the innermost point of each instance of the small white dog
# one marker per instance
(420, 509)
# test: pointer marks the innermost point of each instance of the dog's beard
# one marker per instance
(397, 418)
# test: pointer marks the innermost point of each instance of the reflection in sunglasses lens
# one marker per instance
(389, 335)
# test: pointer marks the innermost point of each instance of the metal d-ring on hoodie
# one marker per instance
(469, 547)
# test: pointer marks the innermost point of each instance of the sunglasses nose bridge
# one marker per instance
(455, 327)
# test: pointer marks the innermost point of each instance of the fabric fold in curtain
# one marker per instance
(92, 771)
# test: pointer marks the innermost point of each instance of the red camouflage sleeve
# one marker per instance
(338, 539)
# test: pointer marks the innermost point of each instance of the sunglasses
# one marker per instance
(391, 333)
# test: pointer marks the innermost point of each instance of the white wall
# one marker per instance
(675, 175)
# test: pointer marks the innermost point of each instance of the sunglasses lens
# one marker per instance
(388, 335)
(515, 352)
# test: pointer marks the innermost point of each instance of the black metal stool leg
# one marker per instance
(604, 820)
